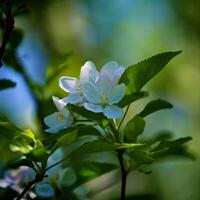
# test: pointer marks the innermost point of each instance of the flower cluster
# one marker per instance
(96, 91)
(16, 178)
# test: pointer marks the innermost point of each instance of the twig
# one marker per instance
(123, 117)
(38, 178)
(124, 174)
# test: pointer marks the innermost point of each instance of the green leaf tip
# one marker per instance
(154, 106)
(5, 84)
(137, 75)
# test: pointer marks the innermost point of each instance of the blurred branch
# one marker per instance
(6, 8)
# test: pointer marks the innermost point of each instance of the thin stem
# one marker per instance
(57, 163)
(124, 174)
(123, 116)
(37, 179)
(114, 131)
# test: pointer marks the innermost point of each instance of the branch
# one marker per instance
(38, 178)
(124, 174)
(9, 26)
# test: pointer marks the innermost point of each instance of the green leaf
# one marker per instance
(21, 162)
(10, 59)
(19, 144)
(128, 145)
(128, 99)
(94, 147)
(15, 38)
(140, 157)
(134, 128)
(179, 151)
(154, 106)
(8, 193)
(136, 76)
(67, 177)
(90, 170)
(64, 140)
(5, 84)
(86, 113)
(164, 145)
(8, 129)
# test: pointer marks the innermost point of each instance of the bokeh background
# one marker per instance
(70, 32)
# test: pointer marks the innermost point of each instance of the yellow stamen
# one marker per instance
(104, 100)
(60, 117)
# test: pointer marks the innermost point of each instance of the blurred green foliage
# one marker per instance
(125, 31)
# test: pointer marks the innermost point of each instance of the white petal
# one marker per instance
(118, 73)
(70, 120)
(91, 93)
(88, 72)
(51, 120)
(54, 123)
(58, 103)
(109, 68)
(44, 190)
(73, 99)
(68, 84)
(113, 112)
(104, 85)
(93, 108)
(117, 93)
(55, 129)
(112, 71)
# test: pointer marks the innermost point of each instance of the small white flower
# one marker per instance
(102, 97)
(58, 120)
(74, 86)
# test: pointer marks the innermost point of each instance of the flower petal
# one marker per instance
(73, 99)
(91, 93)
(118, 73)
(68, 84)
(109, 68)
(56, 128)
(55, 123)
(93, 108)
(88, 72)
(51, 120)
(117, 93)
(113, 112)
(58, 103)
(104, 86)
(112, 71)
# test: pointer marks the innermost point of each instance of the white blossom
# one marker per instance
(58, 120)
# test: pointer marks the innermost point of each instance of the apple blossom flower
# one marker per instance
(89, 73)
(58, 120)
(102, 97)
(74, 86)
